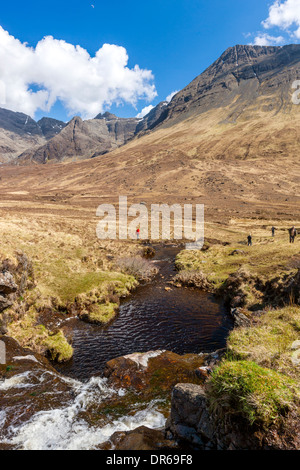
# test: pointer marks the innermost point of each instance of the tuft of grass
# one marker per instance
(268, 342)
(39, 338)
(192, 279)
(260, 395)
(67, 286)
(141, 268)
(58, 347)
(102, 314)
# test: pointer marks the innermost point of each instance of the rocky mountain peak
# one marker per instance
(239, 76)
(50, 127)
(108, 116)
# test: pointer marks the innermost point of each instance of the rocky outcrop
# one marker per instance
(235, 288)
(50, 127)
(153, 118)
(28, 384)
(193, 422)
(19, 123)
(237, 78)
(7, 284)
(17, 133)
(240, 317)
(14, 278)
(154, 373)
(141, 438)
(83, 139)
(283, 290)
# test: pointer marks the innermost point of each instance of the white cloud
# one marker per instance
(170, 96)
(284, 15)
(86, 85)
(145, 111)
(264, 39)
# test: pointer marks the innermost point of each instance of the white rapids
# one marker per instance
(65, 428)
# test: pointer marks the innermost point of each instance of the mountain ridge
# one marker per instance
(245, 81)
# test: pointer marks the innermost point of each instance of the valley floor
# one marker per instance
(49, 243)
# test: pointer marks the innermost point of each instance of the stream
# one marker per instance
(72, 410)
(153, 318)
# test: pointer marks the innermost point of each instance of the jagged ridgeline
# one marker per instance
(248, 90)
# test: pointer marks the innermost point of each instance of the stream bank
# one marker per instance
(105, 388)
(157, 316)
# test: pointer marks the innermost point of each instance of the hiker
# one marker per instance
(273, 231)
(138, 234)
(293, 233)
(249, 240)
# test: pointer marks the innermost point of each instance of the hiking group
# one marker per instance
(292, 233)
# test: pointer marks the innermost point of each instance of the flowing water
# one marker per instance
(153, 318)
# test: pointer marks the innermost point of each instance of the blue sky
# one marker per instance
(175, 39)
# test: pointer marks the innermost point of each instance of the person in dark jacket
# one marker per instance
(293, 234)
(250, 240)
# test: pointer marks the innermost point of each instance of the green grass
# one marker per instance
(66, 285)
(38, 337)
(269, 341)
(103, 314)
(58, 347)
(260, 395)
(266, 259)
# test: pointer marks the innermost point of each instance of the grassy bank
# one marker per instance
(259, 377)
(73, 275)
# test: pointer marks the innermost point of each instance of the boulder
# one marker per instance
(155, 372)
(7, 284)
(189, 420)
(239, 318)
(141, 438)
(5, 302)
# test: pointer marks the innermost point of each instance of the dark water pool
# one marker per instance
(180, 320)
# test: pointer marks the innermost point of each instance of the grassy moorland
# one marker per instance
(71, 273)
(259, 377)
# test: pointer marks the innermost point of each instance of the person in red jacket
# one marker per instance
(138, 234)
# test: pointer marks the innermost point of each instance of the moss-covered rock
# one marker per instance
(154, 373)
(58, 347)
(258, 394)
(100, 314)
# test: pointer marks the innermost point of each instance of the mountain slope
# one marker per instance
(234, 146)
(50, 127)
(83, 139)
(241, 76)
(19, 132)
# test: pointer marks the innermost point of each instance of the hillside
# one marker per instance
(83, 139)
(234, 145)
(17, 133)
(229, 140)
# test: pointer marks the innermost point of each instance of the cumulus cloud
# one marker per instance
(145, 111)
(264, 39)
(284, 15)
(170, 96)
(35, 78)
